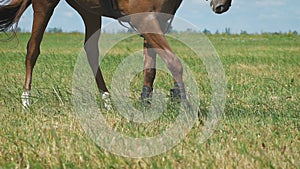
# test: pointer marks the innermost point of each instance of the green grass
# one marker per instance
(260, 127)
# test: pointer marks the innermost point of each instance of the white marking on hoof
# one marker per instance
(25, 98)
(107, 100)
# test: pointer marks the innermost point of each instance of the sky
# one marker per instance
(252, 16)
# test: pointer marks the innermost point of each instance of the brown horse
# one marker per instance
(147, 23)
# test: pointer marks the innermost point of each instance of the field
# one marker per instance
(260, 127)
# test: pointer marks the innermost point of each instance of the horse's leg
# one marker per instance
(92, 33)
(149, 72)
(150, 69)
(43, 10)
(149, 27)
(92, 24)
(164, 25)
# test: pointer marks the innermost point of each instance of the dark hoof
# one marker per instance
(146, 96)
(177, 94)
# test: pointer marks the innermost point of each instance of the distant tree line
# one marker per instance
(54, 30)
(228, 31)
(205, 31)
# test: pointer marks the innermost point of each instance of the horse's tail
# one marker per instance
(11, 13)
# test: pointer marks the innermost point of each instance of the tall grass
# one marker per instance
(260, 128)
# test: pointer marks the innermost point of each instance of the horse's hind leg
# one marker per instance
(148, 26)
(42, 12)
(93, 25)
(92, 34)
(150, 69)
(149, 73)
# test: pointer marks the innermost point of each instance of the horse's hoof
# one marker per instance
(107, 101)
(146, 95)
(177, 94)
(25, 99)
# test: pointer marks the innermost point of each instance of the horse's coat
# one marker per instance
(141, 14)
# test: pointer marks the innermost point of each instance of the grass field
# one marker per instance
(260, 127)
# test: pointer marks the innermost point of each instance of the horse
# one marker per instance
(146, 23)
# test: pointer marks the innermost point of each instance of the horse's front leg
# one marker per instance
(149, 73)
(43, 10)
